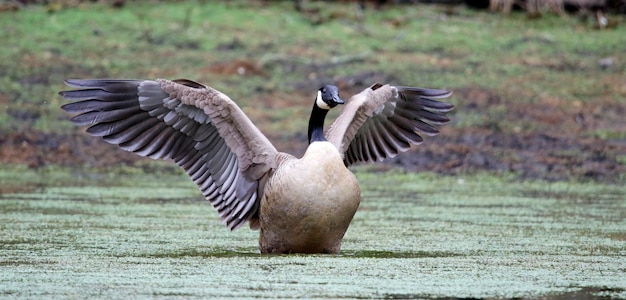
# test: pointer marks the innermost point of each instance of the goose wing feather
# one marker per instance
(198, 127)
(384, 120)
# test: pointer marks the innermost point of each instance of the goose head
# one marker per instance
(328, 97)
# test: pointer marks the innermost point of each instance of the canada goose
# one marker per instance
(300, 205)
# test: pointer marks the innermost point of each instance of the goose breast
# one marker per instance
(309, 203)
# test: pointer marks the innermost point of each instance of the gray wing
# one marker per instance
(199, 128)
(384, 120)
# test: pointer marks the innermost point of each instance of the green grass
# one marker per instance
(524, 60)
(415, 235)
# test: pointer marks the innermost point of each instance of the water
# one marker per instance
(415, 236)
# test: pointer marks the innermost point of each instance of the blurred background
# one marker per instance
(539, 86)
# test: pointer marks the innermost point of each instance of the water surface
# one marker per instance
(414, 236)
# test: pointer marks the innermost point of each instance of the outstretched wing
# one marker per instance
(198, 127)
(384, 120)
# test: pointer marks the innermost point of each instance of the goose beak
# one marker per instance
(338, 100)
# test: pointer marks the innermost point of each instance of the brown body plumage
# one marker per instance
(310, 200)
(301, 205)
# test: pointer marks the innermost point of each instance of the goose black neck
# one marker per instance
(316, 124)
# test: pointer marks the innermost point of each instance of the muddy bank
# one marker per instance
(456, 151)
(550, 140)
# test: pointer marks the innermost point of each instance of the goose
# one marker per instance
(300, 205)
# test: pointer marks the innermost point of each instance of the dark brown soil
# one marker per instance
(548, 142)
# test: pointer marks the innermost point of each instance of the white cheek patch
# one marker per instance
(320, 103)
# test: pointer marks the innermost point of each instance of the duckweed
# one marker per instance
(414, 236)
